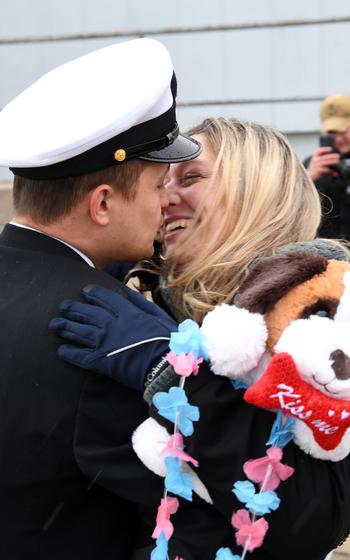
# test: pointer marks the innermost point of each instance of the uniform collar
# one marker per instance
(30, 240)
(82, 255)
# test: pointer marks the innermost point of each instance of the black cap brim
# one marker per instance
(182, 149)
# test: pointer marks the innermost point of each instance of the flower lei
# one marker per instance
(187, 351)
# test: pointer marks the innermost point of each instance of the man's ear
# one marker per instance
(100, 200)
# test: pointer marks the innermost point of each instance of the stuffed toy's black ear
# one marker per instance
(274, 276)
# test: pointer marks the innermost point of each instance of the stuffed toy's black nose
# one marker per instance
(341, 364)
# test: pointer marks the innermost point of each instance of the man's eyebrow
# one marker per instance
(164, 174)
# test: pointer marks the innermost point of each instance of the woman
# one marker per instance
(245, 197)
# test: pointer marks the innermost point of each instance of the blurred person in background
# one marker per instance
(329, 167)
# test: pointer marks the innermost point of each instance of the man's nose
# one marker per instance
(164, 198)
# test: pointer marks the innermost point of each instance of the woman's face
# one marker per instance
(187, 187)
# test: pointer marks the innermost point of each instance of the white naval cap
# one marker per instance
(114, 104)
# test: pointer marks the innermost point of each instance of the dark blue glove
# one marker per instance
(125, 339)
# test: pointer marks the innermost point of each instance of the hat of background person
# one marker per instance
(335, 113)
(109, 106)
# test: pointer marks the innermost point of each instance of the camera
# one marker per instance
(343, 167)
(328, 141)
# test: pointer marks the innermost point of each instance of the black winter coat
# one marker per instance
(334, 191)
(314, 514)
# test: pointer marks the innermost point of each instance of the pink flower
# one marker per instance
(174, 448)
(167, 507)
(184, 364)
(268, 471)
(249, 532)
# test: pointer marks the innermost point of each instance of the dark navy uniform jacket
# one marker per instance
(70, 484)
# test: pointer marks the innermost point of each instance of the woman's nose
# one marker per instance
(173, 193)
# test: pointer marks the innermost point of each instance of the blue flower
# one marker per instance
(281, 433)
(226, 554)
(239, 384)
(188, 339)
(259, 503)
(264, 502)
(244, 490)
(174, 405)
(177, 482)
(160, 552)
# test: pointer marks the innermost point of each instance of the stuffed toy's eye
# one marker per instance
(321, 308)
(322, 313)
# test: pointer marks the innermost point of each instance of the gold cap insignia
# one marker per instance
(120, 154)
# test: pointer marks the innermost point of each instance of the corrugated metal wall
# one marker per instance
(265, 60)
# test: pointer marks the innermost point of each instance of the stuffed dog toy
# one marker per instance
(288, 337)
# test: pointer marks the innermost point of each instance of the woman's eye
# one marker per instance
(190, 178)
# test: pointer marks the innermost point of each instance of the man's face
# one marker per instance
(342, 141)
(136, 222)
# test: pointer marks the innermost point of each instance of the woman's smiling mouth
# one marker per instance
(176, 225)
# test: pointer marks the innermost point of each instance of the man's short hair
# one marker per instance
(45, 201)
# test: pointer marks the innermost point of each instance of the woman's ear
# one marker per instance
(100, 200)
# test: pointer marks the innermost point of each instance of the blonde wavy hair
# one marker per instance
(269, 201)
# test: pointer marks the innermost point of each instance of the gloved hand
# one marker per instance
(118, 337)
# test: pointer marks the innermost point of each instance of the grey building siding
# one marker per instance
(260, 67)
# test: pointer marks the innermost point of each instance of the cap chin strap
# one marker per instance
(143, 149)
